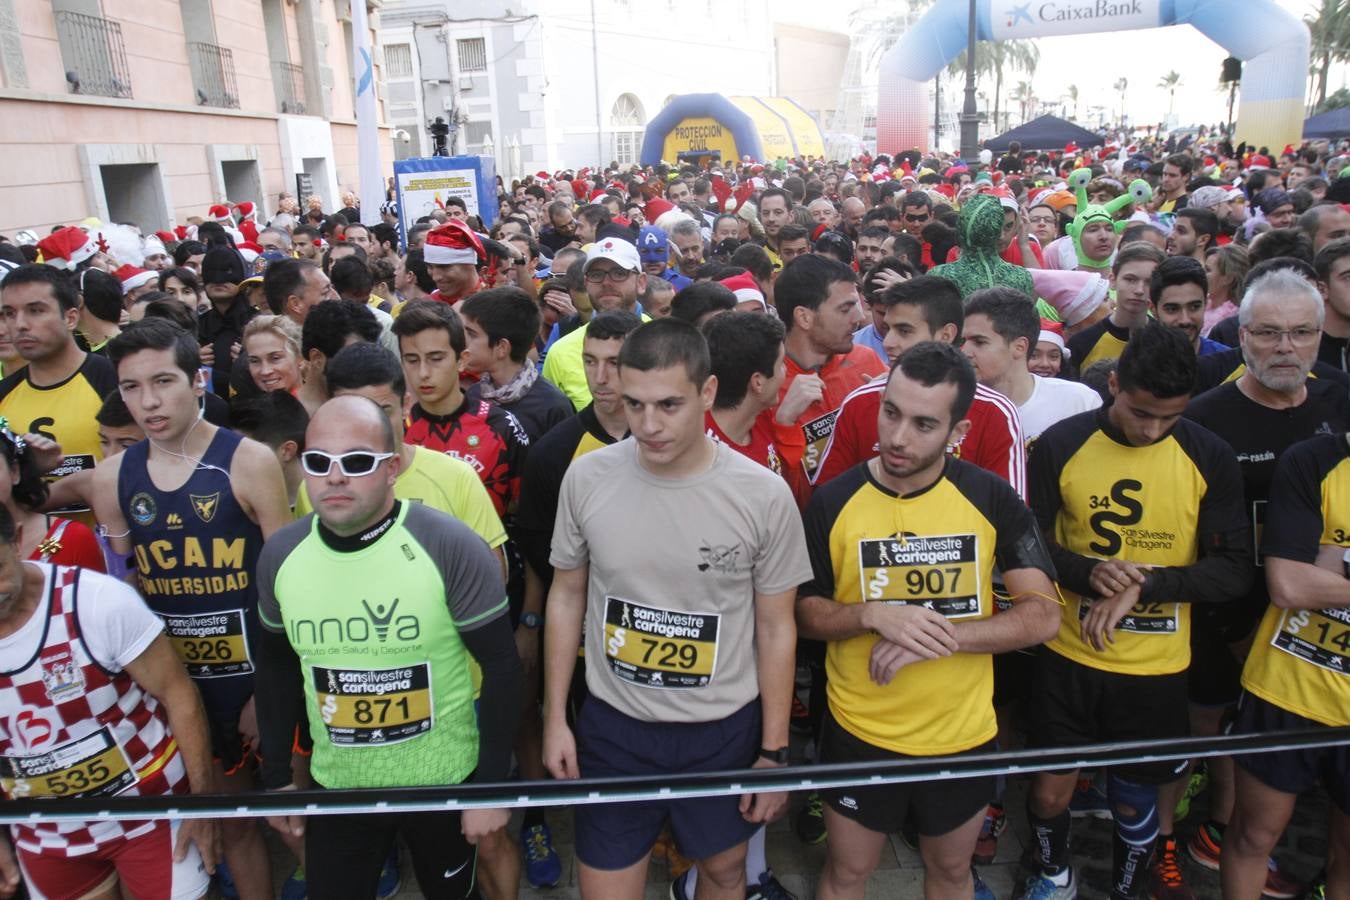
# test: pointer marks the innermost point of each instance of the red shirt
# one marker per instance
(481, 434)
(994, 441)
(771, 445)
(842, 373)
(69, 543)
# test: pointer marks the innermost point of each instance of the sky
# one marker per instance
(1143, 57)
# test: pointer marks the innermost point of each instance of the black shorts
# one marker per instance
(616, 835)
(936, 807)
(227, 744)
(1215, 676)
(1012, 678)
(344, 854)
(1292, 771)
(1073, 704)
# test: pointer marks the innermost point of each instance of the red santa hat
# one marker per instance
(221, 213)
(68, 247)
(246, 209)
(453, 244)
(655, 208)
(542, 176)
(133, 277)
(250, 245)
(745, 289)
(1005, 198)
(580, 187)
(597, 195)
(1053, 333)
(168, 237)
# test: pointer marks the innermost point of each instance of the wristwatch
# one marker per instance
(779, 756)
(531, 620)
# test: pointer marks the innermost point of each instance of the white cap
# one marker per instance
(620, 252)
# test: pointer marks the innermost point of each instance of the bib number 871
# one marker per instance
(685, 656)
(377, 711)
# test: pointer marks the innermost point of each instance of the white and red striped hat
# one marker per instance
(745, 289)
(452, 244)
(133, 277)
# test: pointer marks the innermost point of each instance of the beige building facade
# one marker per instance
(150, 111)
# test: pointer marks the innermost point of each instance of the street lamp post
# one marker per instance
(970, 117)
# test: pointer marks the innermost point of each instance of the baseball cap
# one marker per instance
(1212, 195)
(621, 253)
(223, 265)
(653, 245)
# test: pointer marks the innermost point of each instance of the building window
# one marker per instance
(398, 61)
(472, 54)
(628, 119)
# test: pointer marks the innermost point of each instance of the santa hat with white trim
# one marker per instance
(451, 244)
(68, 247)
(745, 289)
(247, 211)
(133, 277)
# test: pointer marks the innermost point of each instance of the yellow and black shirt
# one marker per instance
(1174, 505)
(936, 547)
(1214, 369)
(63, 412)
(1300, 660)
(1104, 340)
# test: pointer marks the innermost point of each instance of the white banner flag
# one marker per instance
(369, 168)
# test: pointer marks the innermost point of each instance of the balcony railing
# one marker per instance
(213, 75)
(94, 55)
(288, 80)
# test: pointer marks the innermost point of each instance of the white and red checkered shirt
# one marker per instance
(73, 723)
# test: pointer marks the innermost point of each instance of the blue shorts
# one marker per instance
(614, 836)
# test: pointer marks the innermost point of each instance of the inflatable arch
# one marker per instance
(1272, 43)
(693, 126)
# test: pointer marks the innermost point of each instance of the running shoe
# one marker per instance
(1089, 800)
(1206, 848)
(1164, 875)
(543, 868)
(767, 888)
(810, 824)
(799, 719)
(390, 879)
(986, 845)
(982, 891)
(1199, 780)
(679, 888)
(295, 887)
(1040, 887)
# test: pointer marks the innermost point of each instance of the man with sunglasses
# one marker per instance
(614, 280)
(193, 504)
(916, 212)
(372, 608)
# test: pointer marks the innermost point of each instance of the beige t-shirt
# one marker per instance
(674, 568)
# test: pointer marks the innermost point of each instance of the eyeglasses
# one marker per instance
(615, 276)
(922, 218)
(1041, 220)
(1272, 337)
(352, 465)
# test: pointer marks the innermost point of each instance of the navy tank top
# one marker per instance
(197, 553)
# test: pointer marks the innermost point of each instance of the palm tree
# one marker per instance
(1024, 97)
(1330, 30)
(1073, 95)
(1121, 85)
(1170, 82)
(996, 56)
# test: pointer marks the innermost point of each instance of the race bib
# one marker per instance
(361, 707)
(1318, 636)
(660, 648)
(939, 572)
(817, 433)
(1153, 617)
(92, 766)
(211, 645)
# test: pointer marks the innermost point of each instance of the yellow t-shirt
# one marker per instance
(1300, 659)
(937, 548)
